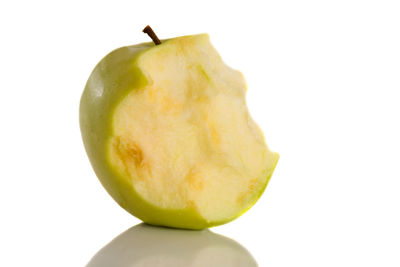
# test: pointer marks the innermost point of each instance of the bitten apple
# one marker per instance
(169, 135)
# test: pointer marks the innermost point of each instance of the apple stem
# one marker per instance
(152, 35)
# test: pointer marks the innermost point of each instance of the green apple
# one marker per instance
(169, 135)
(145, 245)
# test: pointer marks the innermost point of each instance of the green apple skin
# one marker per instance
(113, 78)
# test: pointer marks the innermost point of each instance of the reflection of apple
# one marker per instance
(145, 245)
(169, 135)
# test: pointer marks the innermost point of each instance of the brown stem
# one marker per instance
(152, 35)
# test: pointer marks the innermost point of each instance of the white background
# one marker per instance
(324, 83)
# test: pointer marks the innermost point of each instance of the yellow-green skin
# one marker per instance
(114, 77)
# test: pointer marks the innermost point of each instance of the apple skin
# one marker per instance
(115, 76)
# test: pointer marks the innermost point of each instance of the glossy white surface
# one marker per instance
(324, 85)
(144, 245)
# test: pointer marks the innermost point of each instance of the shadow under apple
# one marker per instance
(145, 245)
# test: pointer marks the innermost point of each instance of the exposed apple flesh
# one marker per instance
(184, 140)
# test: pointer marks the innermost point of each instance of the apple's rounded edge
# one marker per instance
(105, 88)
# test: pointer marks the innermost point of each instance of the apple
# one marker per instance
(168, 133)
(145, 245)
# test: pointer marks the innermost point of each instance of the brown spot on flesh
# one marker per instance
(130, 154)
(135, 153)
